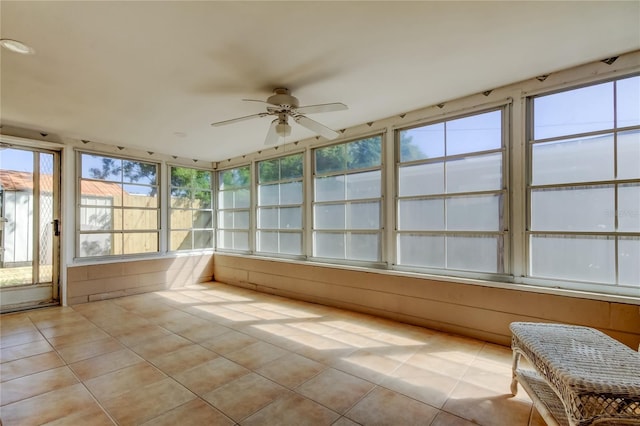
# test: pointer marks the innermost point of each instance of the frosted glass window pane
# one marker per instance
(290, 243)
(268, 242)
(479, 213)
(422, 143)
(629, 208)
(225, 239)
(96, 244)
(629, 155)
(477, 173)
(233, 240)
(628, 100)
(241, 198)
(241, 220)
(573, 258)
(291, 218)
(473, 254)
(364, 247)
(575, 111)
(233, 219)
(291, 193)
(225, 199)
(202, 239)
(268, 218)
(94, 219)
(423, 179)
(240, 241)
(268, 195)
(575, 160)
(421, 250)
(202, 219)
(225, 219)
(364, 215)
(329, 216)
(421, 215)
(363, 185)
(329, 245)
(330, 188)
(573, 209)
(479, 132)
(181, 240)
(238, 198)
(628, 264)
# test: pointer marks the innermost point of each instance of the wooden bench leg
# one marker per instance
(514, 366)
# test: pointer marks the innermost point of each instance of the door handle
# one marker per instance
(56, 227)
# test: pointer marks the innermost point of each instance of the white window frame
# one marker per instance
(381, 261)
(249, 209)
(79, 207)
(171, 209)
(597, 287)
(504, 233)
(301, 205)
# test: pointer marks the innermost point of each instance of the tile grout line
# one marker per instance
(161, 371)
(104, 410)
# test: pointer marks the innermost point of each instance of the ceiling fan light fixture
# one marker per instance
(16, 46)
(283, 129)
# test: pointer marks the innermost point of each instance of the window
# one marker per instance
(234, 199)
(347, 201)
(584, 192)
(451, 195)
(118, 210)
(280, 205)
(190, 209)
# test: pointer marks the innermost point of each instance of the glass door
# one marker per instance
(29, 227)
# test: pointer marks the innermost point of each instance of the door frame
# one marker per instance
(28, 296)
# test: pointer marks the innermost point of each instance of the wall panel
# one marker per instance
(474, 310)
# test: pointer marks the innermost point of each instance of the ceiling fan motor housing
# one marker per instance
(283, 98)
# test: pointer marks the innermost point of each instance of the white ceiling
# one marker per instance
(154, 75)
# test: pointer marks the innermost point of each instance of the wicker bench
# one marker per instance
(581, 375)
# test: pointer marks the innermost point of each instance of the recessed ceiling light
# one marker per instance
(16, 46)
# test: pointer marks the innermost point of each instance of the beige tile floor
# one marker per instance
(220, 355)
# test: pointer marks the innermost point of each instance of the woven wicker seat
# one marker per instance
(596, 378)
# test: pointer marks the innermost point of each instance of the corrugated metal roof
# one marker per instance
(11, 180)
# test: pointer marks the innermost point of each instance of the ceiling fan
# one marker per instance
(283, 105)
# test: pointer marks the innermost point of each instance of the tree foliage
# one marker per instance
(239, 177)
(408, 150)
(191, 187)
(359, 154)
(283, 168)
(126, 171)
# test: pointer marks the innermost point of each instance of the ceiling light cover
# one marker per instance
(283, 129)
(16, 46)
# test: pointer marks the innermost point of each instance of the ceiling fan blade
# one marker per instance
(316, 127)
(235, 120)
(256, 100)
(272, 135)
(312, 109)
